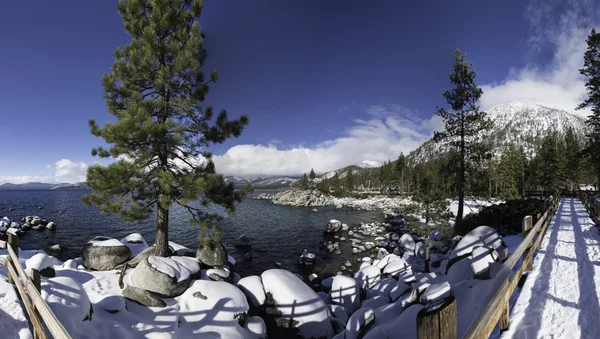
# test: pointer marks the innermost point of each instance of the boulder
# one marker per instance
(69, 302)
(167, 277)
(243, 241)
(212, 253)
(136, 243)
(253, 289)
(104, 254)
(333, 226)
(407, 241)
(359, 323)
(50, 226)
(345, 291)
(143, 297)
(42, 263)
(54, 248)
(219, 274)
(295, 307)
(368, 276)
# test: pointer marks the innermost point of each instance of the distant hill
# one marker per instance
(29, 186)
(265, 183)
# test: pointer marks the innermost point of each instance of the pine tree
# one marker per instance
(400, 167)
(303, 182)
(349, 181)
(335, 184)
(511, 170)
(161, 133)
(573, 159)
(464, 121)
(312, 175)
(552, 162)
(591, 70)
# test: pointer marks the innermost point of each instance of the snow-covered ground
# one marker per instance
(560, 298)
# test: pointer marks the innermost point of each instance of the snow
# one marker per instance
(13, 322)
(345, 291)
(179, 250)
(560, 297)
(180, 268)
(436, 292)
(253, 288)
(293, 298)
(368, 164)
(368, 276)
(481, 259)
(338, 312)
(39, 262)
(136, 243)
(406, 241)
(68, 301)
(357, 321)
(480, 236)
(399, 289)
(105, 241)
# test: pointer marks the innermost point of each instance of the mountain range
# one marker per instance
(30, 186)
(523, 123)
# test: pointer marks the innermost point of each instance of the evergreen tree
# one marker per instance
(552, 162)
(591, 70)
(400, 167)
(303, 182)
(511, 170)
(349, 181)
(335, 185)
(161, 133)
(312, 175)
(464, 121)
(573, 159)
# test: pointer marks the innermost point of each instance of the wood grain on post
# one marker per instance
(526, 227)
(437, 320)
(505, 317)
(13, 242)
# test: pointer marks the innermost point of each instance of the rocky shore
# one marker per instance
(315, 198)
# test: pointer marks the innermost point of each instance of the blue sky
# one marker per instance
(325, 83)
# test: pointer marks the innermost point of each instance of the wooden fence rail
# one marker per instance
(498, 309)
(41, 317)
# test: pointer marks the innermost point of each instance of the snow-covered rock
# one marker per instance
(295, 300)
(253, 288)
(212, 253)
(375, 302)
(436, 292)
(167, 277)
(481, 259)
(333, 226)
(345, 291)
(480, 236)
(256, 325)
(359, 323)
(104, 254)
(42, 263)
(398, 289)
(407, 241)
(394, 268)
(368, 276)
(339, 312)
(381, 288)
(136, 243)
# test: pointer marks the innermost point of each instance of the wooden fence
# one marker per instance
(439, 319)
(41, 317)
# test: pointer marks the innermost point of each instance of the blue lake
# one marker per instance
(278, 233)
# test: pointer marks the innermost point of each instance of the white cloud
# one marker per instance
(65, 170)
(558, 27)
(391, 130)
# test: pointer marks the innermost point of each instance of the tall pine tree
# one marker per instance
(464, 120)
(161, 132)
(591, 70)
(573, 159)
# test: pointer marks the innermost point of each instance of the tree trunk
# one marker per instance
(461, 178)
(162, 232)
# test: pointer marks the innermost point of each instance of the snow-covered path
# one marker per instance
(560, 298)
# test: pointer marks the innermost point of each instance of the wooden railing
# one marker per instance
(41, 317)
(439, 320)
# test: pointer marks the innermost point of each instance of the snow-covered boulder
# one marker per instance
(215, 307)
(359, 323)
(338, 312)
(460, 271)
(386, 260)
(327, 283)
(50, 226)
(375, 302)
(180, 250)
(345, 291)
(136, 243)
(296, 305)
(143, 297)
(42, 263)
(111, 304)
(480, 236)
(104, 254)
(70, 264)
(481, 259)
(69, 302)
(407, 241)
(168, 277)
(212, 253)
(253, 289)
(398, 289)
(219, 274)
(402, 326)
(382, 288)
(436, 292)
(256, 325)
(333, 226)
(368, 276)
(394, 268)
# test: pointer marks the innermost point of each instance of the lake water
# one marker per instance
(278, 233)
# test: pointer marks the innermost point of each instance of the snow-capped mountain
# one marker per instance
(274, 182)
(41, 186)
(523, 123)
(368, 164)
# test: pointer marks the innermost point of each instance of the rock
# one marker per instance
(295, 305)
(375, 302)
(167, 277)
(212, 253)
(219, 274)
(248, 256)
(481, 259)
(42, 263)
(399, 289)
(257, 326)
(345, 291)
(112, 304)
(436, 292)
(199, 295)
(406, 241)
(307, 259)
(368, 276)
(394, 268)
(70, 264)
(338, 312)
(382, 253)
(136, 243)
(54, 248)
(50, 226)
(253, 289)
(480, 236)
(345, 227)
(333, 226)
(359, 323)
(278, 264)
(38, 228)
(143, 297)
(104, 254)
(420, 250)
(314, 210)
(243, 241)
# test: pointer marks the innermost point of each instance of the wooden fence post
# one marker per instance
(505, 317)
(437, 320)
(526, 226)
(13, 242)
